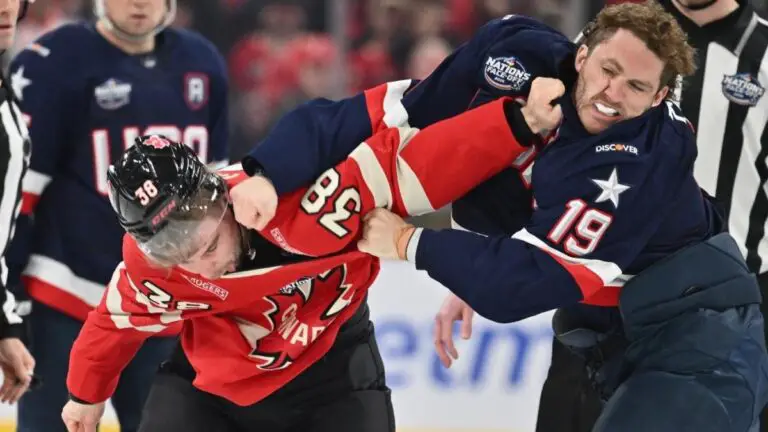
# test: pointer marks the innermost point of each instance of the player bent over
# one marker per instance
(276, 335)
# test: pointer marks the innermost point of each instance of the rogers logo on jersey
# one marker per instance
(616, 148)
(208, 287)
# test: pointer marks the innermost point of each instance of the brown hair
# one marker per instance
(654, 26)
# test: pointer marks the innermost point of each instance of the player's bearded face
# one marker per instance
(221, 248)
(619, 79)
(136, 17)
(9, 12)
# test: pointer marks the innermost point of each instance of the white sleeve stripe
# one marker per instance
(455, 225)
(9, 304)
(413, 245)
(10, 198)
(217, 165)
(414, 197)
(35, 182)
(119, 317)
(373, 175)
(605, 270)
(395, 114)
(165, 316)
(59, 275)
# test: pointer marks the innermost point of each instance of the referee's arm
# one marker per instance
(13, 164)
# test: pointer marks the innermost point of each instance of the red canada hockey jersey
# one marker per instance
(250, 332)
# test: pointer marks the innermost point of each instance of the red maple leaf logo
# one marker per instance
(157, 142)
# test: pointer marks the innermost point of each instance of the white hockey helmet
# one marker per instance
(100, 11)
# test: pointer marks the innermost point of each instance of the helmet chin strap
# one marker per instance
(696, 7)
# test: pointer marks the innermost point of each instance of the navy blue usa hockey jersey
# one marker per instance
(604, 207)
(85, 101)
(594, 211)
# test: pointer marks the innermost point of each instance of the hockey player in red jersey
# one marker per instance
(261, 309)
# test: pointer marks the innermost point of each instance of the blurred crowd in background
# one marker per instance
(283, 52)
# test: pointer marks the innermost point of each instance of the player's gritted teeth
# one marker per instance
(605, 113)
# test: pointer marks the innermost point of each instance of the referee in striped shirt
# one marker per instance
(726, 102)
(15, 361)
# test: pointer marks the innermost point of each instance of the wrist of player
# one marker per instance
(253, 168)
(74, 398)
(403, 238)
(522, 125)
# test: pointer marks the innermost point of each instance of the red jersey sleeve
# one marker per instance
(404, 169)
(140, 301)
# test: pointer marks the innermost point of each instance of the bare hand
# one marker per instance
(453, 309)
(18, 366)
(81, 417)
(538, 111)
(384, 234)
(254, 202)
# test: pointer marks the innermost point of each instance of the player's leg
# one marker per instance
(663, 402)
(568, 401)
(356, 397)
(175, 405)
(763, 280)
(52, 334)
(365, 404)
(136, 380)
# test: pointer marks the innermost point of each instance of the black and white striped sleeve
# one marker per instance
(14, 160)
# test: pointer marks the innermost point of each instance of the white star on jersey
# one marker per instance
(610, 189)
(19, 82)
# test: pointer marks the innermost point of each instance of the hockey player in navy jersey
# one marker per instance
(621, 239)
(611, 196)
(87, 91)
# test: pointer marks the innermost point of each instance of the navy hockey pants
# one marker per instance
(691, 355)
(53, 334)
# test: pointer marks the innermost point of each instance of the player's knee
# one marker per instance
(664, 402)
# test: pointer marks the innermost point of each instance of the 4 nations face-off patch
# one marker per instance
(742, 89)
(506, 73)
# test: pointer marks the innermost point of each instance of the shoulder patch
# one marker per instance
(506, 73)
(742, 89)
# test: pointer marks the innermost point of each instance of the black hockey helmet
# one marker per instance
(161, 192)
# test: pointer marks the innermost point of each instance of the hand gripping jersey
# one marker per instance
(250, 332)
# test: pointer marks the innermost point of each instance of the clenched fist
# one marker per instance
(538, 111)
(254, 202)
(80, 417)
